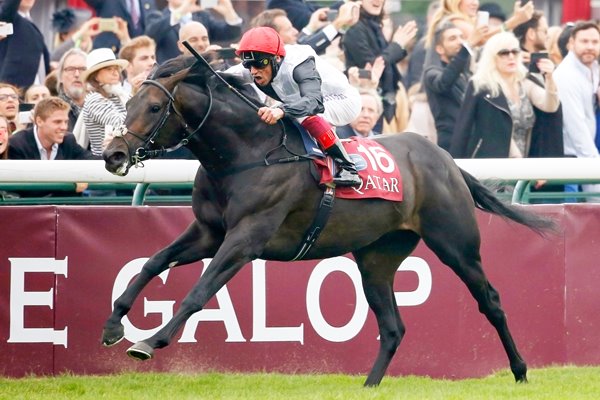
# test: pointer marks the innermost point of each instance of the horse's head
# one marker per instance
(154, 123)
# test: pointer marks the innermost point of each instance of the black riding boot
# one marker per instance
(347, 174)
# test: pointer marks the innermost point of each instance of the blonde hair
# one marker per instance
(487, 76)
(448, 9)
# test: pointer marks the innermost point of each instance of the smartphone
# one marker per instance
(6, 29)
(332, 15)
(226, 53)
(107, 24)
(535, 57)
(523, 2)
(26, 107)
(206, 4)
(364, 73)
(483, 18)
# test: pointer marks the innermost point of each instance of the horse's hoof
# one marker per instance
(140, 351)
(522, 379)
(110, 337)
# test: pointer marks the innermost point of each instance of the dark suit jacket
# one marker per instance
(118, 8)
(22, 146)
(298, 11)
(158, 27)
(20, 52)
(445, 85)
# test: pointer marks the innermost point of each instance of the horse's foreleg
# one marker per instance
(241, 245)
(193, 245)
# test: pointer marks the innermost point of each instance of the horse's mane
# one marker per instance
(182, 63)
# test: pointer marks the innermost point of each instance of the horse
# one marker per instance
(254, 197)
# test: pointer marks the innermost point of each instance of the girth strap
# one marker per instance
(318, 223)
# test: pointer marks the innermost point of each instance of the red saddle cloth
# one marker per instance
(376, 167)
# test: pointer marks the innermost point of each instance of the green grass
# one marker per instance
(548, 383)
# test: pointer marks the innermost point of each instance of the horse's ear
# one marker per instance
(199, 68)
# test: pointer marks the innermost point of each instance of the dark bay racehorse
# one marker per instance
(246, 210)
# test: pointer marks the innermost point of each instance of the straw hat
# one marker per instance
(101, 58)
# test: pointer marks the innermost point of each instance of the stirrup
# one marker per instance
(347, 178)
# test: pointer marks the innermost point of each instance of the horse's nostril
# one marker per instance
(114, 159)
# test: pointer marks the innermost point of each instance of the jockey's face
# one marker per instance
(262, 76)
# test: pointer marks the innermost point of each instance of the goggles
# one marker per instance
(254, 59)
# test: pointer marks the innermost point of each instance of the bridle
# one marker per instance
(142, 152)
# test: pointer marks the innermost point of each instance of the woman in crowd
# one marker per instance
(365, 41)
(104, 106)
(497, 116)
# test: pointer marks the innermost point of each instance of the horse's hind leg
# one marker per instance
(193, 245)
(454, 238)
(378, 264)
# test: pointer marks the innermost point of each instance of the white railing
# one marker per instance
(184, 171)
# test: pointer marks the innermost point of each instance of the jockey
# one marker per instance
(309, 89)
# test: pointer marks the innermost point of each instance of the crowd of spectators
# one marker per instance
(476, 80)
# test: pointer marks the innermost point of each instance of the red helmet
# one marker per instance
(263, 40)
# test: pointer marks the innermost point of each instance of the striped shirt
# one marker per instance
(99, 112)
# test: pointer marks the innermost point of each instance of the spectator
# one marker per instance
(3, 138)
(164, 26)
(463, 14)
(74, 28)
(35, 93)
(25, 58)
(532, 35)
(9, 106)
(140, 53)
(365, 41)
(564, 39)
(48, 139)
(497, 16)
(496, 117)
(370, 112)
(70, 85)
(133, 13)
(104, 106)
(446, 76)
(318, 34)
(577, 79)
(196, 35)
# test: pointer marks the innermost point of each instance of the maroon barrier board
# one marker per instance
(287, 317)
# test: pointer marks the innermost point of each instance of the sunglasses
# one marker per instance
(506, 52)
(258, 64)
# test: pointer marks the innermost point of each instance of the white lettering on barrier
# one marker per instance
(225, 313)
(19, 299)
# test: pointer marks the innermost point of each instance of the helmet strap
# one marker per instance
(274, 66)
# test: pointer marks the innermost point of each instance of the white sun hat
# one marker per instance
(101, 58)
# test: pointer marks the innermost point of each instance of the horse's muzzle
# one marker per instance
(116, 161)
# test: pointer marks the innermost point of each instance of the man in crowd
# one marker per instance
(318, 34)
(446, 81)
(370, 112)
(196, 35)
(141, 54)
(164, 26)
(70, 87)
(24, 58)
(532, 34)
(577, 78)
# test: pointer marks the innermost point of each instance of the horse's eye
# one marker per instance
(155, 108)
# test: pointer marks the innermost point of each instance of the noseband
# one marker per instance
(142, 152)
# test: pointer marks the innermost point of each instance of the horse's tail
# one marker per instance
(486, 200)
